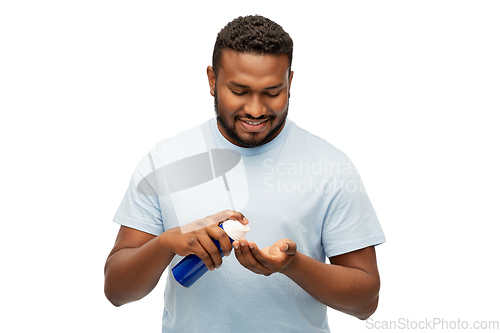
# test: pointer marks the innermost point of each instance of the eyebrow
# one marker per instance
(246, 87)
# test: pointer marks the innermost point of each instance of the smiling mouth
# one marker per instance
(254, 122)
(253, 125)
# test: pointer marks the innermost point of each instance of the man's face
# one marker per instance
(251, 96)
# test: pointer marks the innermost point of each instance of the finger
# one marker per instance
(248, 260)
(238, 217)
(225, 215)
(258, 254)
(209, 253)
(220, 236)
(239, 248)
(237, 253)
(289, 247)
(214, 219)
(239, 245)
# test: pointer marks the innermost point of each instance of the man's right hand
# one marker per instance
(138, 259)
(197, 238)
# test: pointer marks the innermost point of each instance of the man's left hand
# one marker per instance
(267, 261)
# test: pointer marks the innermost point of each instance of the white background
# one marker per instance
(408, 89)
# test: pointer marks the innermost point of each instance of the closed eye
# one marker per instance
(238, 93)
(272, 95)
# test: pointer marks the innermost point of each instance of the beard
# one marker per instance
(253, 140)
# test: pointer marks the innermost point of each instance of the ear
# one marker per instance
(211, 80)
(290, 82)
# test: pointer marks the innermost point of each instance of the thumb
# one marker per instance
(289, 247)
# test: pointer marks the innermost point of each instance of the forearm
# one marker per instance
(131, 273)
(350, 290)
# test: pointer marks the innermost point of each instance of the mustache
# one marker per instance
(249, 117)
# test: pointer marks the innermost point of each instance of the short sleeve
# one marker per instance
(350, 222)
(140, 209)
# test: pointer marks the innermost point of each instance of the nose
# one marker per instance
(255, 107)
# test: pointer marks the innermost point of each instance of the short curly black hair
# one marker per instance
(252, 34)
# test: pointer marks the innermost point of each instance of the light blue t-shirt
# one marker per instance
(297, 186)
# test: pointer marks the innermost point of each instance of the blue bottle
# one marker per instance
(191, 268)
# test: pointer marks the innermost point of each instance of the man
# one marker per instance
(301, 197)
